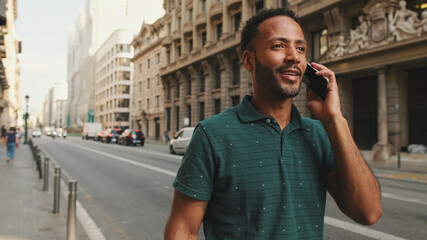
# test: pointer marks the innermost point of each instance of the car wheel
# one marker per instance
(171, 150)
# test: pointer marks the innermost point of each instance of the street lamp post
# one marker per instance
(27, 99)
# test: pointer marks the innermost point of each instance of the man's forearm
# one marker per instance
(357, 190)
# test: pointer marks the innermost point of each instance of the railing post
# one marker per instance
(72, 198)
(56, 189)
(46, 174)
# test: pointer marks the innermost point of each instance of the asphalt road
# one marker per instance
(127, 191)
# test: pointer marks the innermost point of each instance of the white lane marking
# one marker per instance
(360, 230)
(145, 151)
(412, 200)
(156, 169)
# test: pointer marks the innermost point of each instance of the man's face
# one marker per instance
(279, 57)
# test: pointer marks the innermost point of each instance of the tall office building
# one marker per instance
(93, 27)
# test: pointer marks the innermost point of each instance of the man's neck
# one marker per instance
(280, 110)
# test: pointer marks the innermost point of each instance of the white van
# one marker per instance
(90, 129)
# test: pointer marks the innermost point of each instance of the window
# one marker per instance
(148, 103)
(190, 15)
(140, 86)
(259, 5)
(123, 103)
(236, 72)
(189, 114)
(148, 83)
(178, 49)
(217, 105)
(168, 91)
(123, 75)
(202, 110)
(218, 31)
(157, 101)
(122, 116)
(177, 90)
(177, 118)
(189, 86)
(203, 5)
(190, 45)
(140, 67)
(123, 62)
(203, 39)
(140, 105)
(284, 3)
(237, 21)
(157, 80)
(157, 58)
(122, 48)
(320, 43)
(168, 119)
(123, 89)
(148, 63)
(202, 83)
(235, 100)
(218, 77)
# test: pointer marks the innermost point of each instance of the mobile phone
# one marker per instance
(317, 83)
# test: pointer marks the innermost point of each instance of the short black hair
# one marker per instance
(251, 26)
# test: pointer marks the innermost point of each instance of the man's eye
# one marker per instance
(301, 49)
(278, 46)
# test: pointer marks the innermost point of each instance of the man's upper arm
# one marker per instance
(185, 218)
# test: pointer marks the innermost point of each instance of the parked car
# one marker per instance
(180, 141)
(37, 132)
(98, 136)
(89, 130)
(132, 137)
(111, 135)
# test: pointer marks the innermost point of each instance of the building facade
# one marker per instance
(94, 25)
(147, 103)
(376, 48)
(11, 113)
(113, 76)
(204, 73)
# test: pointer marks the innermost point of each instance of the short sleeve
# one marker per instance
(196, 174)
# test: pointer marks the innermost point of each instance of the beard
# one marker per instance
(267, 79)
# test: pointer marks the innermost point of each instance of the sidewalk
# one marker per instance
(25, 209)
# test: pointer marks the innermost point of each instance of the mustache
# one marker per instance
(282, 68)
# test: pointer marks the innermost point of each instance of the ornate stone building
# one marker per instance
(377, 49)
(148, 99)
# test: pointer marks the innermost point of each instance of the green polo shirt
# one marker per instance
(261, 182)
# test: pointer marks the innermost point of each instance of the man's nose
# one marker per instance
(292, 56)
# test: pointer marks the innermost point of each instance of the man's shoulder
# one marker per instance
(314, 124)
(227, 116)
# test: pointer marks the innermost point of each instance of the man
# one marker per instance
(260, 170)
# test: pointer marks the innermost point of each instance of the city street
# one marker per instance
(127, 191)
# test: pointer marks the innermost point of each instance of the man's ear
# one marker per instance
(248, 60)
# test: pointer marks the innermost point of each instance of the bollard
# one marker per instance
(46, 174)
(56, 189)
(72, 198)
(39, 165)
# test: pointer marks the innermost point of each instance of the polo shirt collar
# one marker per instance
(247, 113)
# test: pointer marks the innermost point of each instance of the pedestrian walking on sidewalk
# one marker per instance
(12, 142)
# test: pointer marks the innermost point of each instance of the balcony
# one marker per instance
(233, 4)
(216, 11)
(167, 41)
(201, 20)
(176, 36)
(188, 28)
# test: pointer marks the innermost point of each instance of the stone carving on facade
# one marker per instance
(381, 24)
(404, 23)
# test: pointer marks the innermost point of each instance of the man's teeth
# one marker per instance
(290, 73)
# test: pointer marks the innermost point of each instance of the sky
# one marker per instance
(43, 28)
